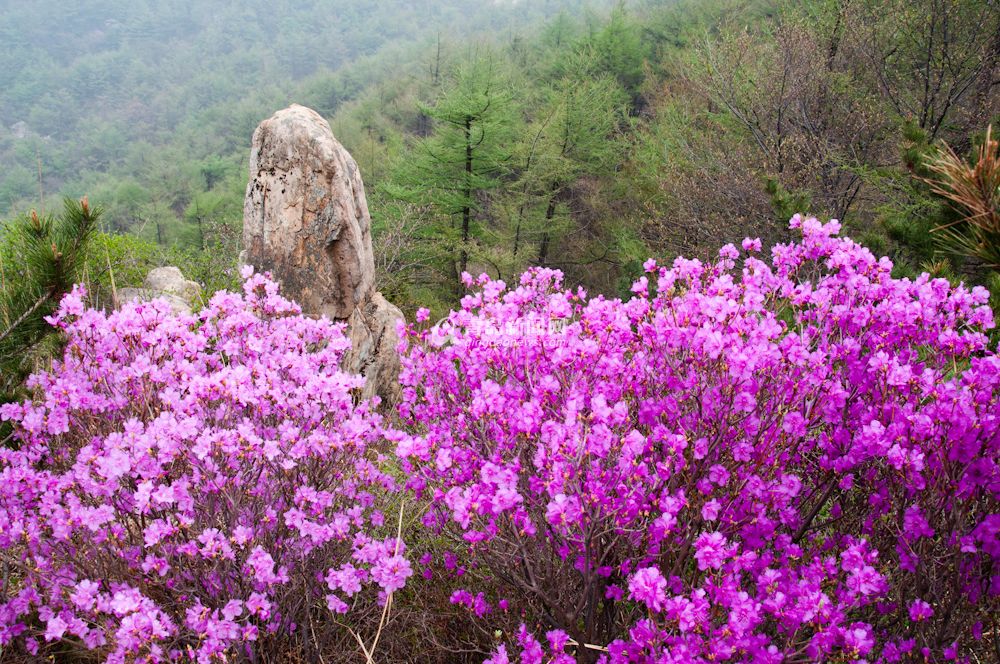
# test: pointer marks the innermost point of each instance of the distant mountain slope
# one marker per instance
(83, 82)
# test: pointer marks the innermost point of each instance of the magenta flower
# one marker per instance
(920, 610)
(55, 627)
(813, 409)
(858, 639)
(208, 467)
(648, 586)
(114, 464)
(191, 480)
(391, 573)
(711, 550)
(563, 511)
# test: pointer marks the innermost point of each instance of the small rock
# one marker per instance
(169, 279)
(166, 283)
(373, 353)
(178, 304)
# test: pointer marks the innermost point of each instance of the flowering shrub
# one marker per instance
(193, 488)
(792, 461)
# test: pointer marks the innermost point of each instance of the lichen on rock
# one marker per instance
(306, 221)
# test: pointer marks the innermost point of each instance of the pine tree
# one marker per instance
(972, 189)
(572, 136)
(465, 157)
(618, 50)
(41, 257)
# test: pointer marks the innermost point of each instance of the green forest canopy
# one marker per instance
(603, 132)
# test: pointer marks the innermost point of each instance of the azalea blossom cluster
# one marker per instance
(749, 460)
(793, 459)
(192, 488)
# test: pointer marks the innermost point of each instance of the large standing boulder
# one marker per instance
(305, 217)
(306, 221)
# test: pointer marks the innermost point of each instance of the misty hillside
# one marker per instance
(613, 130)
(91, 85)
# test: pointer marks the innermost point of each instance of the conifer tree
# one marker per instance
(972, 189)
(617, 50)
(464, 157)
(41, 257)
(572, 136)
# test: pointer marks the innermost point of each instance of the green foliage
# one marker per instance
(930, 223)
(909, 218)
(167, 94)
(495, 136)
(118, 261)
(453, 170)
(784, 202)
(41, 257)
(574, 134)
(618, 50)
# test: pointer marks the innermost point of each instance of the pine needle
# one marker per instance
(972, 190)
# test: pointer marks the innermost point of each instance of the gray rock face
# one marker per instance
(372, 331)
(167, 283)
(170, 280)
(306, 221)
(305, 217)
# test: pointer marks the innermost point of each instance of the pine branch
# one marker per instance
(49, 253)
(25, 316)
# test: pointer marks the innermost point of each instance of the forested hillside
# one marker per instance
(596, 136)
(148, 107)
(666, 128)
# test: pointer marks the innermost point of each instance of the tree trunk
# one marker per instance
(467, 205)
(550, 213)
(436, 71)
